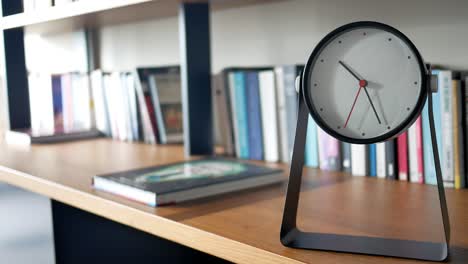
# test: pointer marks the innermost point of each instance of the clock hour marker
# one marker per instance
(388, 127)
(321, 109)
(363, 134)
(389, 39)
(407, 108)
(364, 33)
(415, 82)
(409, 57)
(339, 127)
(339, 41)
(321, 60)
(315, 84)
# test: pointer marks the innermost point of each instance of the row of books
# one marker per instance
(144, 105)
(256, 108)
(30, 5)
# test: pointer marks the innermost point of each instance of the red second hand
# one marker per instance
(354, 103)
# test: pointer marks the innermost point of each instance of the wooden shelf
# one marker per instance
(244, 226)
(103, 12)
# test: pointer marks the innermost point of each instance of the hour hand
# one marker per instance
(349, 70)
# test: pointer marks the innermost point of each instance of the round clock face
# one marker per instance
(364, 83)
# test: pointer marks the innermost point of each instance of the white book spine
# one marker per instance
(232, 95)
(98, 100)
(413, 155)
(269, 115)
(445, 84)
(282, 116)
(381, 160)
(358, 160)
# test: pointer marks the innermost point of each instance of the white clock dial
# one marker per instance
(365, 83)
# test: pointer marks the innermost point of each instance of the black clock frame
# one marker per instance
(314, 57)
(290, 234)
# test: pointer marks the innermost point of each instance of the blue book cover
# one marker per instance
(241, 114)
(372, 160)
(254, 116)
(311, 152)
(429, 164)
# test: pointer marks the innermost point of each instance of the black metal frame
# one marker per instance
(291, 236)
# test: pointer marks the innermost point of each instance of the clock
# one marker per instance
(365, 82)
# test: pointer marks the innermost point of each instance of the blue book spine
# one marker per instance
(311, 152)
(241, 109)
(254, 116)
(372, 160)
(429, 164)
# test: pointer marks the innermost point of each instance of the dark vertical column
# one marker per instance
(194, 32)
(14, 69)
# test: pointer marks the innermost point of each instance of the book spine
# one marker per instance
(358, 160)
(156, 104)
(225, 115)
(282, 116)
(254, 117)
(148, 131)
(57, 101)
(269, 118)
(391, 159)
(458, 135)
(311, 152)
(381, 160)
(241, 114)
(346, 154)
(233, 103)
(445, 84)
(329, 151)
(372, 160)
(132, 99)
(415, 152)
(291, 100)
(402, 149)
(429, 165)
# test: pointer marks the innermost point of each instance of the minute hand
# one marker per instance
(363, 84)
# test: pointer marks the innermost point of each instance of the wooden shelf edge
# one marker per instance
(65, 11)
(156, 225)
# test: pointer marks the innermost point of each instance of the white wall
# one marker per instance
(287, 31)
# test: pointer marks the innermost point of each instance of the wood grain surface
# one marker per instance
(243, 226)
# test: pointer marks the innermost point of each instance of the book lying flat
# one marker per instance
(183, 181)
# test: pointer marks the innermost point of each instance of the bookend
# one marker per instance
(291, 236)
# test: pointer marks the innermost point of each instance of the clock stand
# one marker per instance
(291, 236)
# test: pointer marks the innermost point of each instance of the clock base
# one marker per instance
(291, 236)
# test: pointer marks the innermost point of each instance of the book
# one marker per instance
(184, 181)
(41, 104)
(269, 116)
(359, 160)
(57, 103)
(329, 151)
(311, 146)
(372, 160)
(146, 110)
(391, 159)
(402, 153)
(429, 165)
(381, 167)
(222, 111)
(458, 132)
(287, 103)
(254, 116)
(415, 152)
(445, 85)
(100, 103)
(165, 91)
(239, 111)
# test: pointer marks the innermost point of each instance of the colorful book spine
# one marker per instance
(429, 165)
(359, 160)
(329, 151)
(346, 156)
(372, 160)
(415, 152)
(311, 152)
(241, 114)
(254, 116)
(381, 160)
(402, 150)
